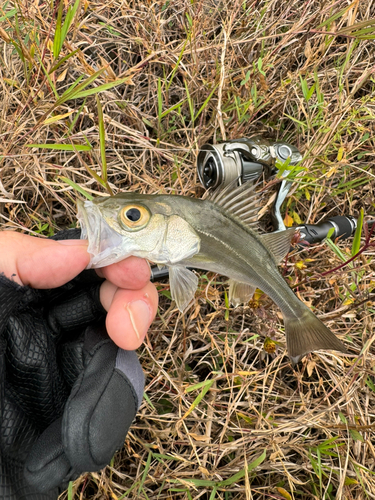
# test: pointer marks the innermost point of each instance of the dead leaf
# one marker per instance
(308, 51)
(284, 493)
(62, 76)
(310, 367)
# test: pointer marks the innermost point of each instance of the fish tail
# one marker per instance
(306, 334)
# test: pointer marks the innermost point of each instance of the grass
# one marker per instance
(99, 97)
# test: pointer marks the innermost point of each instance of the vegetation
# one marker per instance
(101, 97)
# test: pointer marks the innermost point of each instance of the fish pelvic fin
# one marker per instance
(307, 334)
(184, 284)
(240, 293)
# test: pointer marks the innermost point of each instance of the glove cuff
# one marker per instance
(128, 364)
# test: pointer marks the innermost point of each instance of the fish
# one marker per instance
(218, 234)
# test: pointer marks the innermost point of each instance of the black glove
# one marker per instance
(68, 393)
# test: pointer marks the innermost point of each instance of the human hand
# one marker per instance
(68, 394)
(126, 294)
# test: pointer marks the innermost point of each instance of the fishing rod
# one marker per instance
(246, 160)
(343, 227)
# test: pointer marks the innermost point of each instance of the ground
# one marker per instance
(132, 90)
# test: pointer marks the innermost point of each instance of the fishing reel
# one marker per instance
(246, 160)
(243, 159)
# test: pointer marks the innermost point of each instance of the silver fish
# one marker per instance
(217, 234)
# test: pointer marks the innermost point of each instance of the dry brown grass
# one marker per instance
(316, 422)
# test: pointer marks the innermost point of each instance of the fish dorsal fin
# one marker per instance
(240, 293)
(278, 243)
(184, 284)
(241, 201)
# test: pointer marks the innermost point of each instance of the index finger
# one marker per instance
(132, 273)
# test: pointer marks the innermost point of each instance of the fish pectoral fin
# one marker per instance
(239, 293)
(278, 243)
(184, 284)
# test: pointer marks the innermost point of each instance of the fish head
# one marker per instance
(140, 225)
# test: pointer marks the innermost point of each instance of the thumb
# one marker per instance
(41, 263)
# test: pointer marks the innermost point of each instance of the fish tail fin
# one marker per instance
(306, 334)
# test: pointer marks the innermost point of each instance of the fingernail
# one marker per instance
(140, 317)
(73, 242)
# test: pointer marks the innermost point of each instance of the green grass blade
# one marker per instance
(356, 435)
(303, 125)
(9, 14)
(335, 16)
(78, 114)
(206, 102)
(68, 20)
(48, 77)
(206, 483)
(72, 86)
(255, 463)
(18, 50)
(70, 490)
(95, 176)
(199, 398)
(145, 472)
(161, 456)
(57, 39)
(77, 188)
(102, 139)
(213, 493)
(357, 235)
(148, 400)
(65, 58)
(370, 384)
(368, 37)
(160, 105)
(227, 305)
(177, 64)
(72, 93)
(190, 101)
(62, 147)
(172, 108)
(358, 27)
(336, 250)
(101, 88)
(195, 387)
(227, 482)
(181, 490)
(62, 30)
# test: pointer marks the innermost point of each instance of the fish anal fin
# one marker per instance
(240, 293)
(184, 284)
(307, 334)
(278, 243)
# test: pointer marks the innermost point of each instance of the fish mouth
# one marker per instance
(104, 242)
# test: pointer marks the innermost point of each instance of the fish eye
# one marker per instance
(133, 214)
(134, 217)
